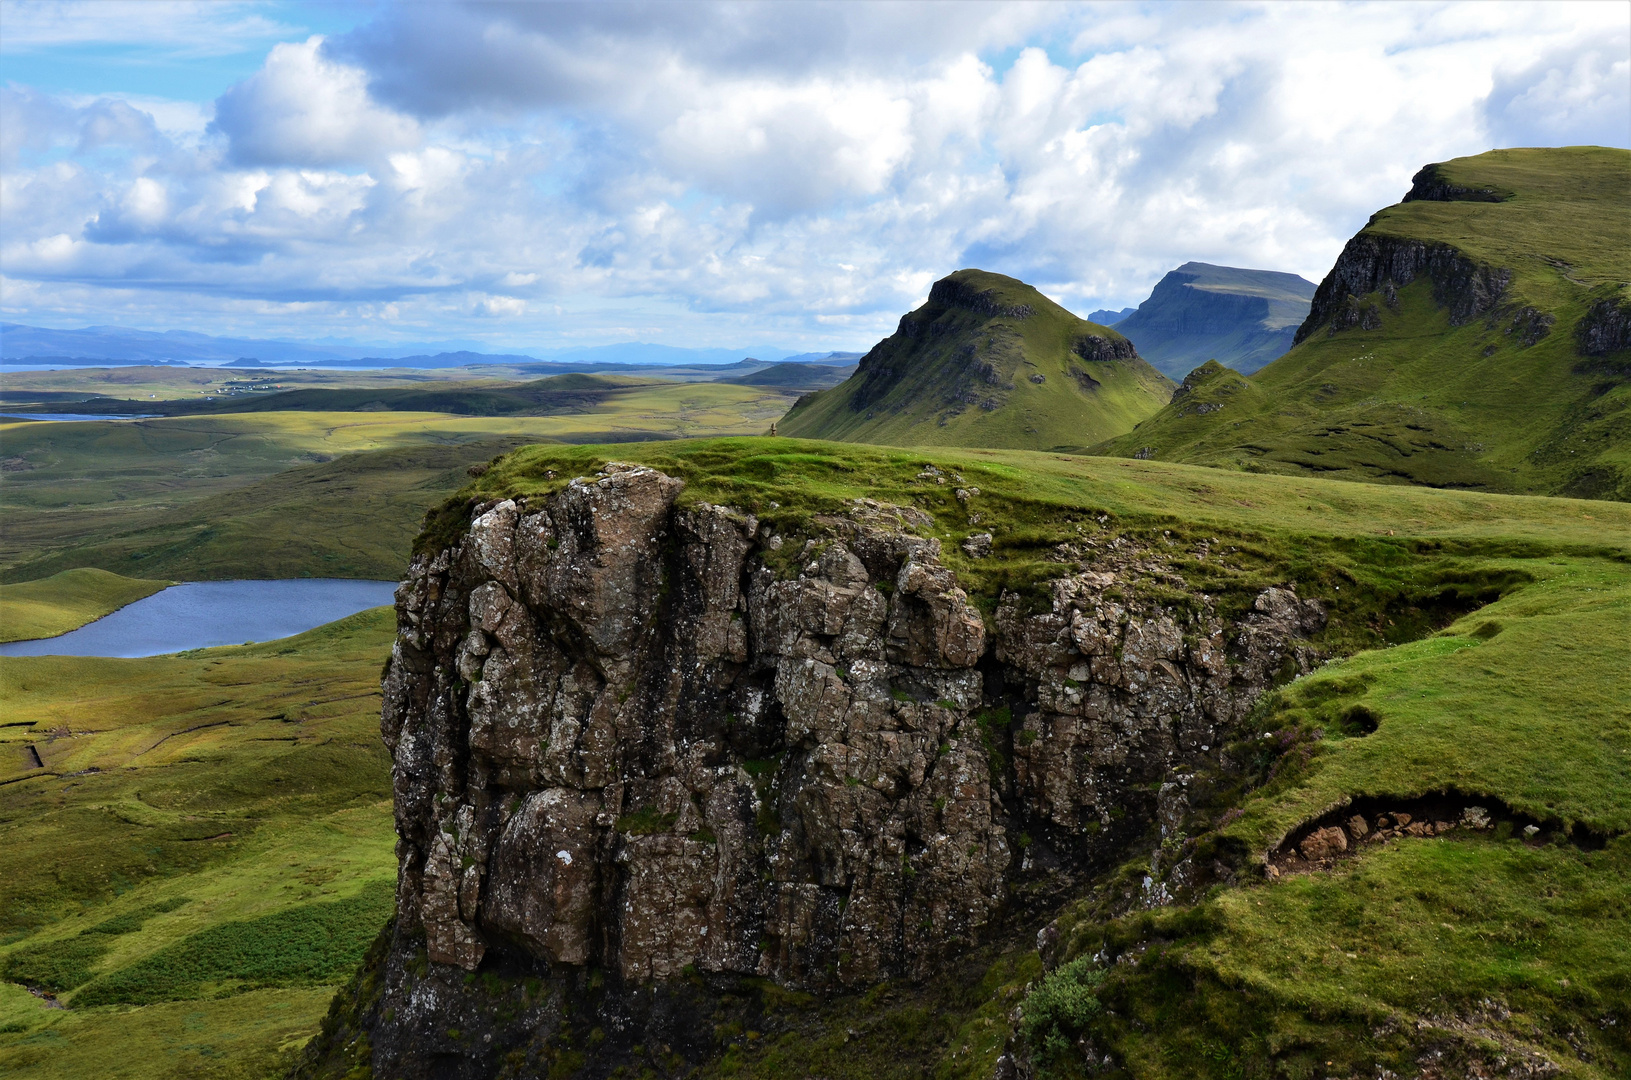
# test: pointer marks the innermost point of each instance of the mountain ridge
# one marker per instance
(1200, 311)
(1461, 340)
(987, 360)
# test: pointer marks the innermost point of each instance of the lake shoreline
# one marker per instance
(207, 614)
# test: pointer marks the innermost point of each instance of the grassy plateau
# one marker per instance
(1485, 643)
(290, 493)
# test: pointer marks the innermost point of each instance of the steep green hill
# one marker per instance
(1475, 335)
(1200, 312)
(988, 361)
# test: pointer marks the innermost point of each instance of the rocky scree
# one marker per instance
(642, 744)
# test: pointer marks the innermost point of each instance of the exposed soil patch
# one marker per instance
(49, 999)
(1341, 833)
(31, 758)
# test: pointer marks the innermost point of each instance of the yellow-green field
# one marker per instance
(146, 498)
(159, 815)
(66, 601)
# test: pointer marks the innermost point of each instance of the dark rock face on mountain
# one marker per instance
(1200, 312)
(1606, 327)
(1432, 185)
(635, 737)
(1378, 263)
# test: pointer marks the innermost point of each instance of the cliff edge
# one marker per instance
(642, 744)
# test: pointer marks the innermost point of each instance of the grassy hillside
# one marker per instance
(283, 493)
(193, 850)
(66, 601)
(987, 361)
(1411, 385)
(1471, 945)
(1474, 948)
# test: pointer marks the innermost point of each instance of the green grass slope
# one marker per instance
(1492, 371)
(66, 601)
(1437, 955)
(987, 361)
(194, 849)
(291, 493)
(1455, 955)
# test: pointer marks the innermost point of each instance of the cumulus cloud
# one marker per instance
(1580, 93)
(303, 108)
(706, 173)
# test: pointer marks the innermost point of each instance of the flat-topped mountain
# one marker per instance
(1200, 312)
(988, 361)
(1477, 334)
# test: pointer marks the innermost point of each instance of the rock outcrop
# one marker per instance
(1605, 328)
(641, 737)
(1430, 185)
(1375, 262)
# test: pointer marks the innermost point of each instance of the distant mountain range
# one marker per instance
(114, 345)
(1200, 312)
(797, 376)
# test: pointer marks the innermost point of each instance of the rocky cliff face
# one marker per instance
(1372, 262)
(1605, 328)
(1431, 185)
(646, 739)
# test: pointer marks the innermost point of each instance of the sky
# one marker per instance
(540, 175)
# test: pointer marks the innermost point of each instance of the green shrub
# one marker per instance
(303, 946)
(1060, 1008)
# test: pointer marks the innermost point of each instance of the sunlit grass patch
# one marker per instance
(204, 824)
(66, 601)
